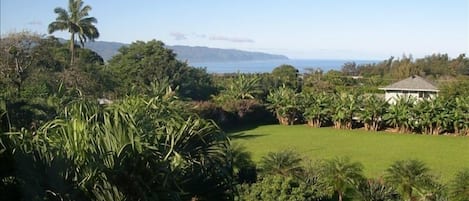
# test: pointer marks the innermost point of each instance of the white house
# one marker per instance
(414, 86)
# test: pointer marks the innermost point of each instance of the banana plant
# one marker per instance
(400, 114)
(344, 110)
(284, 102)
(460, 115)
(372, 111)
(316, 108)
(432, 116)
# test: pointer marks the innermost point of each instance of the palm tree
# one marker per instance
(460, 186)
(341, 174)
(372, 112)
(76, 21)
(407, 176)
(285, 163)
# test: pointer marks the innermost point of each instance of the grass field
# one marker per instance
(444, 155)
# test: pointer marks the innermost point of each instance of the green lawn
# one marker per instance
(445, 155)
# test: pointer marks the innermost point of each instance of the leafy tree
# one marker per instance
(286, 75)
(286, 163)
(76, 21)
(16, 56)
(314, 81)
(350, 69)
(458, 87)
(404, 67)
(407, 176)
(141, 63)
(284, 102)
(341, 175)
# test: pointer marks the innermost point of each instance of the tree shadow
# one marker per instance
(243, 135)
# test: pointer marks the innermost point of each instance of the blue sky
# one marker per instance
(320, 29)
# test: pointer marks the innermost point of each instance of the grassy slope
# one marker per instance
(445, 155)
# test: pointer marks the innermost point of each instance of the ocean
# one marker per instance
(268, 65)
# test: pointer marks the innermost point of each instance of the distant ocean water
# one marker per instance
(268, 65)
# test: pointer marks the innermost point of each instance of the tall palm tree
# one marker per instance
(408, 176)
(76, 21)
(341, 174)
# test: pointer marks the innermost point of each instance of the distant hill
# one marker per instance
(206, 54)
(189, 53)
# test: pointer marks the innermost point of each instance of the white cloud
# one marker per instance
(232, 39)
(178, 36)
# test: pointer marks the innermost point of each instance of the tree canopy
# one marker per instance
(141, 63)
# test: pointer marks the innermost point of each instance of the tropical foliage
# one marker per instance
(58, 143)
(460, 186)
(400, 114)
(240, 95)
(376, 190)
(316, 108)
(141, 148)
(341, 175)
(344, 109)
(372, 111)
(142, 63)
(284, 102)
(409, 176)
(285, 163)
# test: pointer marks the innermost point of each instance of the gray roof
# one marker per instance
(413, 83)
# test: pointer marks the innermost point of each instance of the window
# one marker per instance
(422, 94)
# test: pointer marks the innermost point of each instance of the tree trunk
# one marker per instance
(340, 196)
(312, 123)
(72, 48)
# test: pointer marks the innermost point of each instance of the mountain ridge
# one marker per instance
(189, 53)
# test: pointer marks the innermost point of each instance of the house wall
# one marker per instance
(392, 96)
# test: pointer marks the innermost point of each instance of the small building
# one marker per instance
(414, 86)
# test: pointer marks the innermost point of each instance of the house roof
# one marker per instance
(413, 83)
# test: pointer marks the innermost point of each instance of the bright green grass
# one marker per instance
(444, 155)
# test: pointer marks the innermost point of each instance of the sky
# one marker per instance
(301, 29)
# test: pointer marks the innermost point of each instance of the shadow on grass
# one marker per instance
(243, 135)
